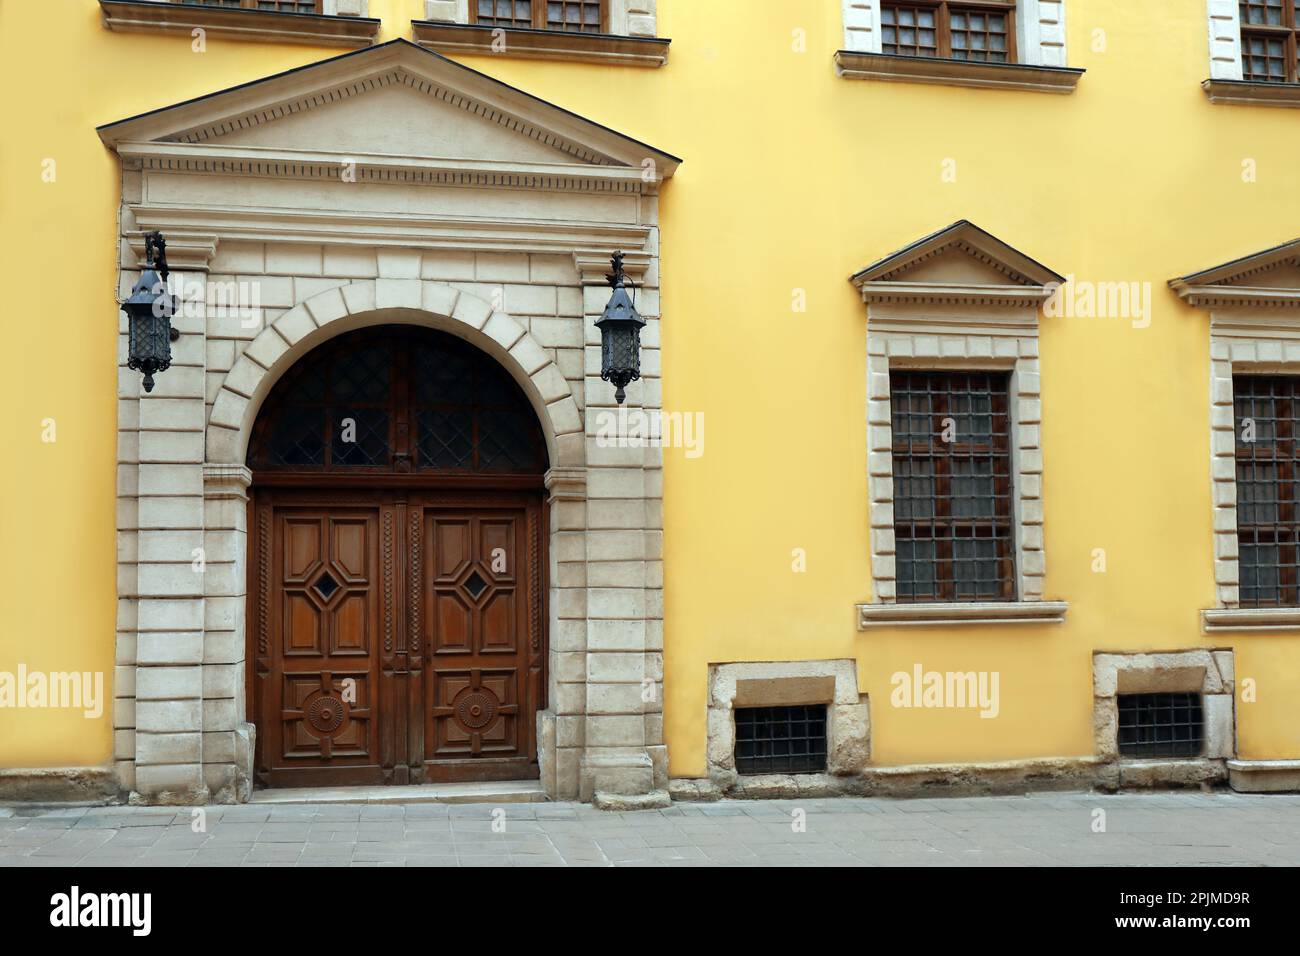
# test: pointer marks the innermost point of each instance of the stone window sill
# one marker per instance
(1252, 93)
(977, 612)
(926, 69)
(234, 23)
(1251, 619)
(604, 48)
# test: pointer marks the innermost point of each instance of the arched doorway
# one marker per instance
(396, 561)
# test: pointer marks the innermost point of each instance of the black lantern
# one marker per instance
(149, 311)
(620, 334)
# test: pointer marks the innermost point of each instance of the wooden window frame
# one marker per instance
(1289, 31)
(318, 6)
(943, 24)
(540, 22)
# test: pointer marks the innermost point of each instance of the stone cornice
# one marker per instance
(1218, 295)
(954, 293)
(274, 163)
(592, 239)
(943, 614)
(226, 481)
(854, 65)
(1252, 93)
(603, 48)
(567, 483)
(236, 23)
(1251, 619)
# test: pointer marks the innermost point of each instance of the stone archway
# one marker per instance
(371, 303)
(492, 215)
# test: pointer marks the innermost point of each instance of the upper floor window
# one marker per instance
(1268, 40)
(952, 486)
(274, 6)
(983, 31)
(573, 16)
(1267, 419)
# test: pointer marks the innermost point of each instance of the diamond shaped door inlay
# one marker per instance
(326, 586)
(475, 585)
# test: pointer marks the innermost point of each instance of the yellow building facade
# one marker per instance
(1096, 217)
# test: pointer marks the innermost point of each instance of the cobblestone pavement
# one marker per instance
(1051, 829)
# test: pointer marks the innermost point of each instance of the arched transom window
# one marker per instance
(397, 399)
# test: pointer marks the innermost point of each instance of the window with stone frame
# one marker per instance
(1267, 423)
(569, 16)
(953, 489)
(1269, 47)
(983, 30)
(272, 6)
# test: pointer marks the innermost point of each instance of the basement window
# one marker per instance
(781, 739)
(1161, 725)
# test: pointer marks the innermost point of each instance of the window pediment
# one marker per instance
(1269, 279)
(958, 264)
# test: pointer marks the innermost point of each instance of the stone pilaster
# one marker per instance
(166, 579)
(624, 672)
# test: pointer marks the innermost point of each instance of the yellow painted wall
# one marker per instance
(793, 180)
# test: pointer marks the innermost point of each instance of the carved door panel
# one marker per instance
(479, 608)
(397, 636)
(322, 609)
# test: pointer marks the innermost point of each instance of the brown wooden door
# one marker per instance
(479, 607)
(397, 635)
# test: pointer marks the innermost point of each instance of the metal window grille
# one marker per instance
(978, 30)
(393, 399)
(781, 739)
(1269, 40)
(1161, 725)
(1266, 408)
(952, 486)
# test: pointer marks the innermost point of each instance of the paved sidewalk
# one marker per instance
(1052, 829)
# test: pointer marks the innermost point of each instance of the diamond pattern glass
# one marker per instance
(386, 399)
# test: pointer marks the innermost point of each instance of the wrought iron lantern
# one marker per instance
(149, 312)
(620, 334)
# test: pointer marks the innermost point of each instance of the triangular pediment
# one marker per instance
(959, 262)
(1270, 277)
(392, 100)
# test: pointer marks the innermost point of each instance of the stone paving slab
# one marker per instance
(1150, 829)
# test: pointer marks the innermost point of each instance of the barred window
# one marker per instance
(952, 486)
(572, 16)
(1268, 40)
(1161, 725)
(1268, 526)
(982, 31)
(275, 6)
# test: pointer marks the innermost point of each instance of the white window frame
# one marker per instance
(1040, 30)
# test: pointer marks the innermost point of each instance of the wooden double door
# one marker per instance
(395, 635)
